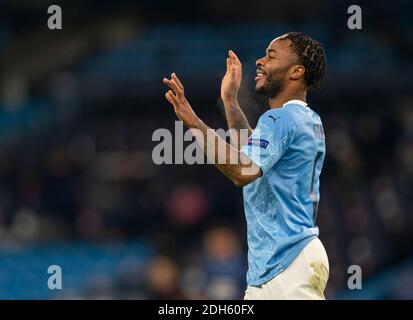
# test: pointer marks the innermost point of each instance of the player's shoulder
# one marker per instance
(302, 113)
(285, 115)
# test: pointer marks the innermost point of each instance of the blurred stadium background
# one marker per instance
(78, 107)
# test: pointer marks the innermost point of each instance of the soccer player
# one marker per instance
(279, 166)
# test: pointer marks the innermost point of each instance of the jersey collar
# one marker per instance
(300, 102)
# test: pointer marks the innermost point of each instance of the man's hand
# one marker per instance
(176, 97)
(232, 79)
(230, 85)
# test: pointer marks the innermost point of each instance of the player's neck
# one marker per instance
(284, 96)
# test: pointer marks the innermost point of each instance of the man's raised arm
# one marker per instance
(230, 85)
(234, 164)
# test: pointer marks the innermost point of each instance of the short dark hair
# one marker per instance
(312, 56)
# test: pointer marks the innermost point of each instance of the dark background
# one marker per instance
(78, 107)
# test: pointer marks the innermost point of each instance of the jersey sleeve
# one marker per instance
(270, 139)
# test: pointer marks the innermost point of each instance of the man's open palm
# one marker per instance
(232, 79)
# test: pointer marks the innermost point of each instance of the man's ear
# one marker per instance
(297, 72)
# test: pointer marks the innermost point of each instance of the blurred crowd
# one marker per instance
(95, 184)
(76, 157)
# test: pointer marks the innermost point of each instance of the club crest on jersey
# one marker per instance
(262, 143)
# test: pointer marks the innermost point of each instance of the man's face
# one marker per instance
(272, 69)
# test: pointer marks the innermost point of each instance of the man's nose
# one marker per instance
(259, 63)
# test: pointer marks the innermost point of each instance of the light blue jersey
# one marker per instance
(280, 206)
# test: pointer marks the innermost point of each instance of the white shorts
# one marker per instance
(305, 279)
